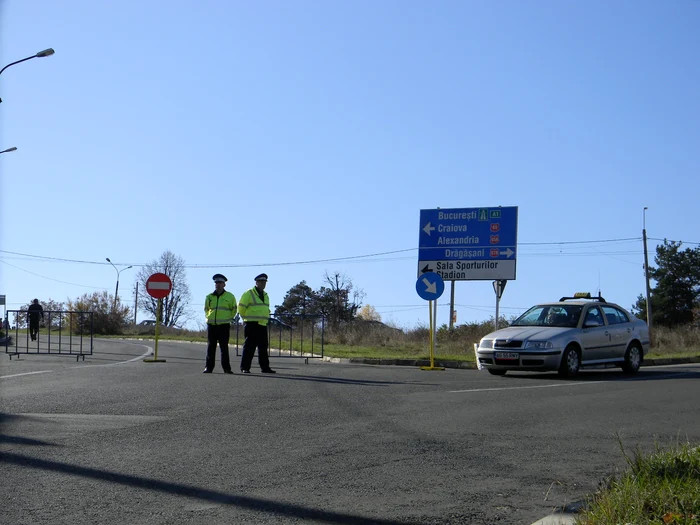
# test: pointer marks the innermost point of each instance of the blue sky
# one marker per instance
(257, 136)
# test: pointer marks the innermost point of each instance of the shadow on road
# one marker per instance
(256, 504)
(339, 380)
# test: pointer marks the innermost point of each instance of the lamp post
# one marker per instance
(116, 290)
(646, 272)
(9, 149)
(40, 54)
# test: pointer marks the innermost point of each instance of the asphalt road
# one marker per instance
(116, 440)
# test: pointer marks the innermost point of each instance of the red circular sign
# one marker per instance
(159, 285)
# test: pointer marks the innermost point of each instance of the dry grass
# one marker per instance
(676, 342)
(372, 339)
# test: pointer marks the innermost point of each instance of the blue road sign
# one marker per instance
(430, 286)
(469, 243)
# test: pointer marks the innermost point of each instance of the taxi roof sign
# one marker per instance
(585, 295)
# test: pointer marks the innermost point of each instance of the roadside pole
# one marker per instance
(158, 286)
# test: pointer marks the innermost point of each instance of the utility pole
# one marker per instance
(452, 304)
(646, 273)
(136, 301)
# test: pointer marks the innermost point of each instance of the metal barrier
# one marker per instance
(50, 338)
(290, 335)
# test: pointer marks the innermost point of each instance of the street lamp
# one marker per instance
(9, 149)
(116, 291)
(40, 54)
(646, 273)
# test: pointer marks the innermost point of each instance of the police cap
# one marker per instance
(218, 278)
(261, 277)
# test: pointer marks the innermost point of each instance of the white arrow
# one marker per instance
(507, 253)
(429, 287)
(428, 228)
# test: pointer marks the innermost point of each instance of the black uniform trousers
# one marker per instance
(218, 333)
(34, 327)
(255, 337)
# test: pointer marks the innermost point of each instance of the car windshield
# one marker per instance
(555, 315)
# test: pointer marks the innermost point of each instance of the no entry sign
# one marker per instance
(159, 285)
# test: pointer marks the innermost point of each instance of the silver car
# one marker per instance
(565, 336)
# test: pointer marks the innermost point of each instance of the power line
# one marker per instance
(358, 258)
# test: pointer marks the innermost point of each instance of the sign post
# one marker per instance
(158, 286)
(430, 287)
(498, 287)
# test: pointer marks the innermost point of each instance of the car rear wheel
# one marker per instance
(496, 371)
(633, 359)
(570, 362)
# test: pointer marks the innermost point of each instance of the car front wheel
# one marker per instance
(633, 359)
(570, 362)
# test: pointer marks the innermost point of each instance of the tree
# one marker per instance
(176, 303)
(105, 318)
(368, 313)
(299, 300)
(51, 317)
(676, 295)
(339, 301)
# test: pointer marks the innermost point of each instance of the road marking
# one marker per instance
(526, 387)
(27, 374)
(146, 354)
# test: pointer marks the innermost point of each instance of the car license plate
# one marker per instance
(507, 355)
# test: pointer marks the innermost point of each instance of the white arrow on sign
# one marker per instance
(428, 228)
(508, 252)
(430, 287)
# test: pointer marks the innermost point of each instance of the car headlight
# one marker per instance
(486, 343)
(539, 345)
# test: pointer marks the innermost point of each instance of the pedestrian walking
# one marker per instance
(220, 309)
(35, 314)
(254, 307)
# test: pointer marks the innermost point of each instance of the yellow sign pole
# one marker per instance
(155, 355)
(432, 341)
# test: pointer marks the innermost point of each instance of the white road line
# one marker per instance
(27, 374)
(526, 387)
(146, 354)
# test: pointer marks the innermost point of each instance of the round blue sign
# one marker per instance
(430, 286)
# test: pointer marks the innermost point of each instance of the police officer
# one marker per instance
(254, 307)
(220, 309)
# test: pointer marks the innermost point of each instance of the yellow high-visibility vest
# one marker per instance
(252, 308)
(220, 309)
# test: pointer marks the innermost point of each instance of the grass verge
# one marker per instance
(659, 488)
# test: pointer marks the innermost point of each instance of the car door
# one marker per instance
(620, 330)
(595, 337)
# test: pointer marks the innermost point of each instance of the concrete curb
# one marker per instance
(564, 516)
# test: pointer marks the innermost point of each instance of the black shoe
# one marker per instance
(245, 371)
(206, 371)
(228, 371)
(269, 371)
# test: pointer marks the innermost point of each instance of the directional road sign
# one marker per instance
(430, 286)
(159, 285)
(464, 244)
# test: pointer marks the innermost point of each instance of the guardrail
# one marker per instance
(61, 332)
(290, 335)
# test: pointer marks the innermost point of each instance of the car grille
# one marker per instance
(505, 343)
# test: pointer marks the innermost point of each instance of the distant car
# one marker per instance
(565, 336)
(273, 322)
(148, 322)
